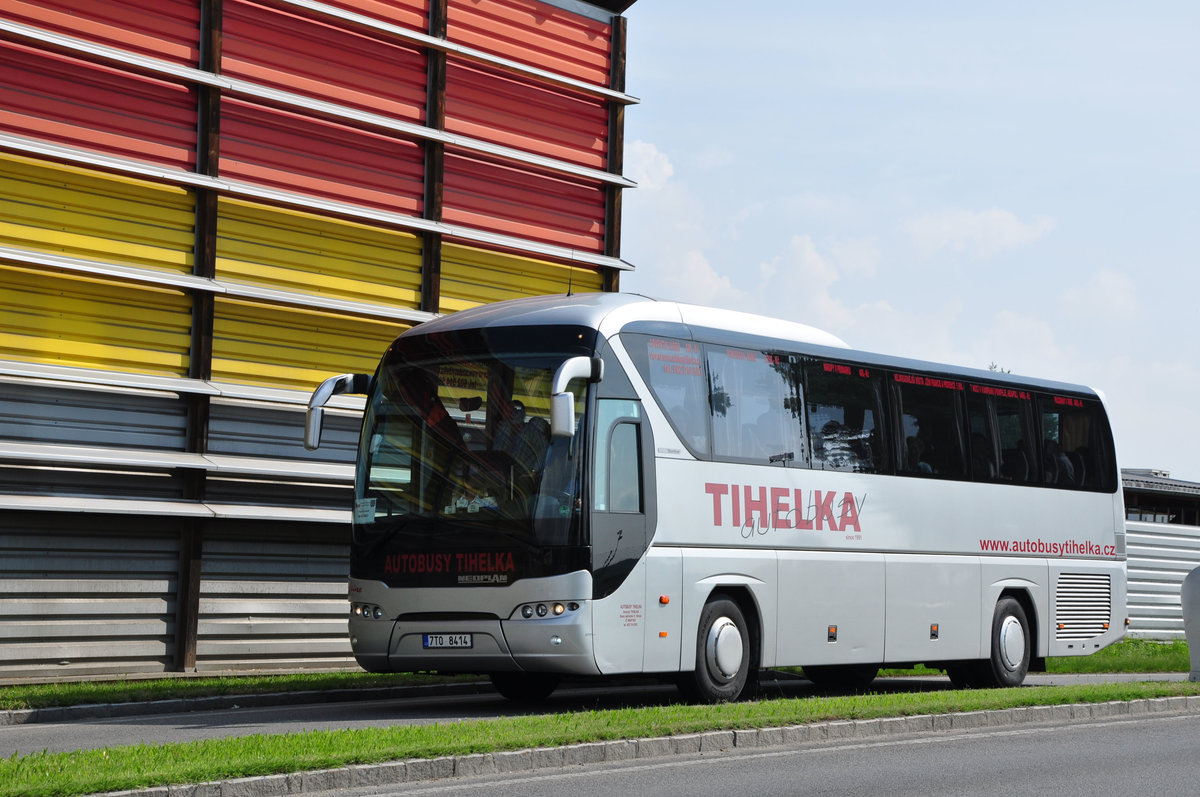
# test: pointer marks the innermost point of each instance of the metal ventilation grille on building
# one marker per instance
(1082, 605)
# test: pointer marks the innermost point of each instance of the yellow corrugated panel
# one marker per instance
(477, 276)
(311, 254)
(292, 348)
(91, 323)
(70, 211)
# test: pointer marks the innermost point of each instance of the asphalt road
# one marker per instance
(296, 717)
(1155, 756)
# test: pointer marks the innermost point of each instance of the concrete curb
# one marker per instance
(550, 758)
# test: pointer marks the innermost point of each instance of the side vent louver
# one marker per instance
(1082, 605)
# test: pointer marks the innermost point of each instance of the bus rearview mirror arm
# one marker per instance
(333, 386)
(562, 401)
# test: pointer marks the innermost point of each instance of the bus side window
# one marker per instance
(981, 439)
(755, 401)
(674, 370)
(1075, 444)
(927, 418)
(618, 472)
(844, 418)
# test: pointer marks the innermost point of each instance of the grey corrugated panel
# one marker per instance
(119, 418)
(282, 494)
(94, 597)
(276, 430)
(92, 505)
(270, 594)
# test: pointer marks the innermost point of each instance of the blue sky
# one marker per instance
(954, 182)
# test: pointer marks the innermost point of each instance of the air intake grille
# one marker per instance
(1082, 605)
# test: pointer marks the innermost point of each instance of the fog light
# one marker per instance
(527, 611)
(541, 610)
(556, 640)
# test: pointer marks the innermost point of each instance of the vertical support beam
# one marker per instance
(435, 160)
(616, 152)
(204, 260)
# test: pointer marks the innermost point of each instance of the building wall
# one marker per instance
(207, 207)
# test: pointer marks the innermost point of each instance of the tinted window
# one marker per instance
(674, 370)
(755, 400)
(927, 425)
(843, 408)
(1000, 438)
(1076, 444)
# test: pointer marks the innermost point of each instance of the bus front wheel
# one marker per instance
(722, 654)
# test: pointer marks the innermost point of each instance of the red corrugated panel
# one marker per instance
(68, 101)
(412, 14)
(167, 29)
(526, 203)
(314, 57)
(534, 33)
(485, 103)
(284, 150)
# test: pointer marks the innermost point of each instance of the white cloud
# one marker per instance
(979, 234)
(698, 282)
(647, 166)
(1106, 295)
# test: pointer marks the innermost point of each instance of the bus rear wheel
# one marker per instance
(722, 654)
(1011, 651)
(525, 687)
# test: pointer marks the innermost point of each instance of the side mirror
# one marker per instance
(562, 401)
(333, 386)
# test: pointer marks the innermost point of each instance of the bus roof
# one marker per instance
(704, 324)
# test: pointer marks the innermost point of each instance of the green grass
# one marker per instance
(24, 696)
(137, 766)
(84, 772)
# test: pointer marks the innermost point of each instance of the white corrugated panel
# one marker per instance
(1159, 556)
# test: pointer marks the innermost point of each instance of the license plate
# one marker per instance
(446, 640)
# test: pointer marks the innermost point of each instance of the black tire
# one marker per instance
(723, 658)
(525, 687)
(1011, 650)
(842, 677)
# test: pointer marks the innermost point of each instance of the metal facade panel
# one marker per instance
(274, 599)
(534, 33)
(79, 598)
(297, 349)
(66, 320)
(258, 429)
(485, 103)
(321, 158)
(86, 215)
(1160, 556)
(167, 29)
(285, 49)
(521, 201)
(411, 14)
(37, 412)
(68, 101)
(475, 276)
(312, 254)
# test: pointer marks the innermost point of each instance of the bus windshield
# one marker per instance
(457, 454)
